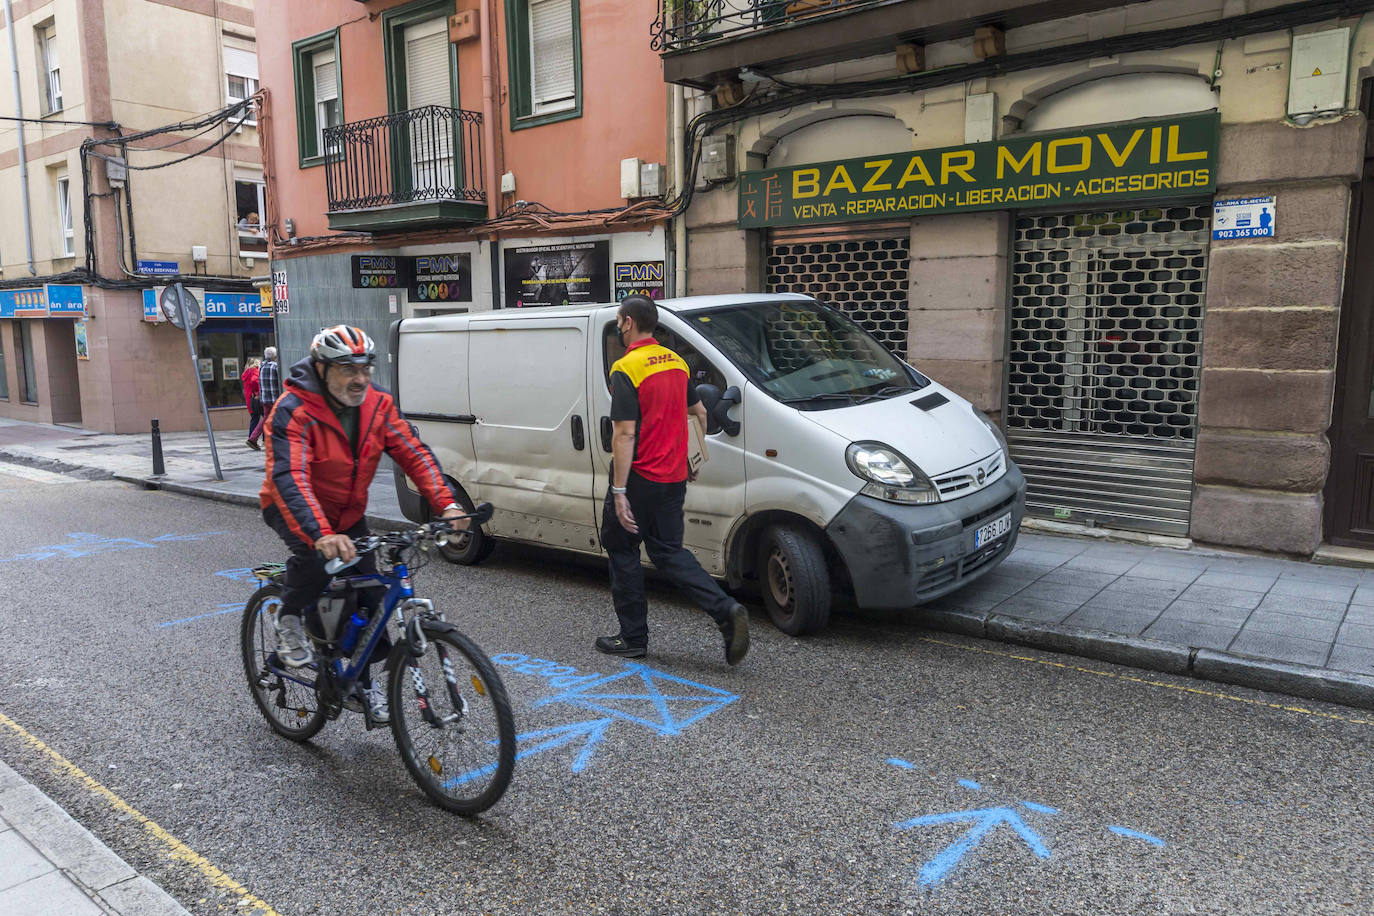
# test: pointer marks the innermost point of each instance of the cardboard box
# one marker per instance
(696, 445)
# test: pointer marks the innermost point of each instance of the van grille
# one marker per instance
(965, 480)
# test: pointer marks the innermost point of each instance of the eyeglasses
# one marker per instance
(348, 371)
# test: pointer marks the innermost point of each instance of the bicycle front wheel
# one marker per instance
(291, 708)
(452, 722)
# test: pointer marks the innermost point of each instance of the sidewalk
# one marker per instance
(1284, 625)
(51, 864)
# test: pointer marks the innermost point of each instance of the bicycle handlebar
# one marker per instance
(430, 531)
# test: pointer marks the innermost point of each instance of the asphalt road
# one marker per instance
(878, 768)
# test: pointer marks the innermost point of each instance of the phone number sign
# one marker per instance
(1246, 218)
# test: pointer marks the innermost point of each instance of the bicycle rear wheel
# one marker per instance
(291, 708)
(452, 722)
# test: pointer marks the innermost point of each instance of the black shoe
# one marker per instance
(616, 645)
(735, 629)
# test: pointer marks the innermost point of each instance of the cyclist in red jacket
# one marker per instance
(326, 436)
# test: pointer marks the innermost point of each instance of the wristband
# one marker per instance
(618, 491)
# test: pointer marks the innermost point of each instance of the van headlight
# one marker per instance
(889, 476)
(996, 430)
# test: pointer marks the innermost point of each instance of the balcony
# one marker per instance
(406, 171)
(705, 41)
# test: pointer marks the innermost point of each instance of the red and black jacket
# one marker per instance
(313, 477)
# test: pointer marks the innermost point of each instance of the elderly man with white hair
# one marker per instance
(269, 381)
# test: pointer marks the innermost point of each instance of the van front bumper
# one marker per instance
(900, 556)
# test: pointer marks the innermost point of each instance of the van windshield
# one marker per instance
(806, 354)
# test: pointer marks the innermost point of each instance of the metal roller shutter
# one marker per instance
(1104, 362)
(861, 270)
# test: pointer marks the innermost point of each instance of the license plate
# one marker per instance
(992, 531)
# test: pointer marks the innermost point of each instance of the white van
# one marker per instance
(833, 465)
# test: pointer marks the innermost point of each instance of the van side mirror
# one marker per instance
(719, 412)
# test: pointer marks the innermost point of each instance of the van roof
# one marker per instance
(680, 305)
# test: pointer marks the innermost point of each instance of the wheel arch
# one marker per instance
(741, 567)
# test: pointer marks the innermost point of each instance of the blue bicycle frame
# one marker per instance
(399, 589)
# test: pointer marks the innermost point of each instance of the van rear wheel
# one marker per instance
(470, 547)
(795, 580)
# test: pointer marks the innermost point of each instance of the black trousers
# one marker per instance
(306, 580)
(657, 508)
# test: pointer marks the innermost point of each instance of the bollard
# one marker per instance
(159, 470)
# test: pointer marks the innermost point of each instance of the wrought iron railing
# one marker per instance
(681, 24)
(428, 153)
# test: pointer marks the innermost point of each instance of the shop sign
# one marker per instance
(571, 274)
(56, 300)
(440, 278)
(372, 271)
(1246, 218)
(159, 268)
(231, 305)
(280, 292)
(639, 278)
(1138, 160)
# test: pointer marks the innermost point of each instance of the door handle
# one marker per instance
(606, 429)
(578, 434)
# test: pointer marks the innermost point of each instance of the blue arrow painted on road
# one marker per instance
(984, 821)
(592, 732)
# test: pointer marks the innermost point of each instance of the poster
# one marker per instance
(639, 278)
(371, 271)
(207, 368)
(571, 274)
(440, 278)
(230, 367)
(82, 347)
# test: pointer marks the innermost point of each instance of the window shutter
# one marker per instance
(326, 76)
(241, 63)
(427, 69)
(551, 52)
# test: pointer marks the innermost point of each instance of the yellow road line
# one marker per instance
(176, 849)
(1150, 683)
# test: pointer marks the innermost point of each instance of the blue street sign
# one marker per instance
(159, 268)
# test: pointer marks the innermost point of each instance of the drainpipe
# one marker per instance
(679, 177)
(493, 181)
(19, 127)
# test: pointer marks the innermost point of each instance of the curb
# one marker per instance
(1307, 681)
(78, 854)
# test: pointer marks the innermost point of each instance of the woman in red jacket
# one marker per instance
(251, 390)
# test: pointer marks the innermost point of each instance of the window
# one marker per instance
(545, 50)
(4, 373)
(64, 217)
(223, 348)
(703, 373)
(250, 197)
(28, 381)
(51, 77)
(241, 76)
(319, 94)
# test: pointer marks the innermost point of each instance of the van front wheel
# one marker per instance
(795, 580)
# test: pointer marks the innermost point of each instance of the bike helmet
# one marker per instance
(343, 345)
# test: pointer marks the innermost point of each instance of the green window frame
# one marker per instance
(523, 111)
(302, 54)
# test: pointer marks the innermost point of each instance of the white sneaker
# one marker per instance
(293, 649)
(376, 704)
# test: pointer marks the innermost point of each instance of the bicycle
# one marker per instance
(473, 711)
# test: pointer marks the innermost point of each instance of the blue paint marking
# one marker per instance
(84, 544)
(554, 738)
(1043, 809)
(985, 821)
(970, 784)
(227, 608)
(1137, 835)
(238, 575)
(654, 699)
(899, 762)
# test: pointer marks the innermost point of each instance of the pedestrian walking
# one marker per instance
(650, 400)
(269, 389)
(249, 380)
